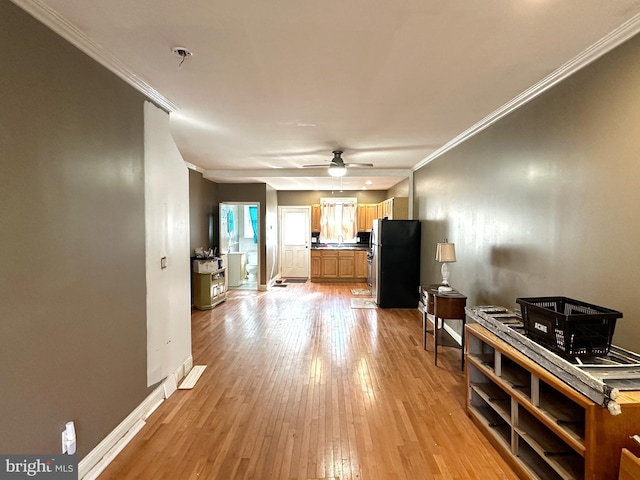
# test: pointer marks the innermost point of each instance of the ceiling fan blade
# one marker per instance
(337, 161)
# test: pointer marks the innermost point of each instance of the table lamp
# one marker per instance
(445, 253)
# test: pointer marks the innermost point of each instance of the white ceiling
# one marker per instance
(274, 85)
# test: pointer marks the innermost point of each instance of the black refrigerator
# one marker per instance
(395, 250)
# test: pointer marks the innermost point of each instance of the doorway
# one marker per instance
(239, 241)
(294, 241)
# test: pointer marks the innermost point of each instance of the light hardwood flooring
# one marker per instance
(301, 386)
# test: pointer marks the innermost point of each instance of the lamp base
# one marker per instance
(444, 289)
(445, 275)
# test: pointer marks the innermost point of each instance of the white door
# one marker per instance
(294, 242)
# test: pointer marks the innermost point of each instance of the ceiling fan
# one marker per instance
(337, 167)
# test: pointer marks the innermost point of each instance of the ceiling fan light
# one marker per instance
(337, 170)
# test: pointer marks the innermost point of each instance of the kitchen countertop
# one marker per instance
(342, 247)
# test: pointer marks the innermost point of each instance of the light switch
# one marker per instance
(163, 262)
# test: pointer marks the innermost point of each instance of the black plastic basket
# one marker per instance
(569, 327)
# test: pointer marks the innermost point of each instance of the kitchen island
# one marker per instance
(346, 263)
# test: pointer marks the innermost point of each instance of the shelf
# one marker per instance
(535, 466)
(542, 427)
(494, 397)
(551, 448)
(564, 412)
(516, 376)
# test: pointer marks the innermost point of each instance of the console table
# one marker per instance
(443, 306)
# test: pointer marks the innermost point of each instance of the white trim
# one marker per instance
(103, 454)
(113, 453)
(607, 43)
(192, 378)
(60, 25)
(195, 168)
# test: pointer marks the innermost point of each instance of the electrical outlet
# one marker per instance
(69, 439)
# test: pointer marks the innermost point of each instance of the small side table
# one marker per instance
(443, 306)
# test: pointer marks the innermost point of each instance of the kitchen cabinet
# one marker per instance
(371, 213)
(542, 426)
(315, 218)
(338, 265)
(361, 264)
(366, 214)
(362, 217)
(316, 263)
(347, 264)
(329, 264)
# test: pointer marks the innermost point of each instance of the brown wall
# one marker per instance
(204, 213)
(250, 192)
(400, 189)
(72, 242)
(310, 197)
(543, 202)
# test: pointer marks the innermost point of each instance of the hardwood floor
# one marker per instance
(300, 386)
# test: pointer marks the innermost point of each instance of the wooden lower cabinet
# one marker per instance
(329, 264)
(316, 263)
(347, 264)
(338, 265)
(543, 428)
(361, 264)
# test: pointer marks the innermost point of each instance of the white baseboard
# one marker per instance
(101, 456)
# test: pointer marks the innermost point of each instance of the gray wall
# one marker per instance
(310, 197)
(72, 242)
(203, 209)
(544, 202)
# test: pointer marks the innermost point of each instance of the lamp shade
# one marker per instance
(446, 252)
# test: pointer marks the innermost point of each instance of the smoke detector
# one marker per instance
(181, 52)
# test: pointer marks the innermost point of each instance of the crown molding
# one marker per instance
(76, 37)
(607, 43)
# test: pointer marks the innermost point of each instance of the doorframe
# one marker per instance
(249, 203)
(280, 232)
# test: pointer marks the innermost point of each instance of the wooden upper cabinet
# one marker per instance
(370, 215)
(362, 217)
(315, 218)
(366, 214)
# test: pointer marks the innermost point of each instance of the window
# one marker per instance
(338, 220)
(251, 222)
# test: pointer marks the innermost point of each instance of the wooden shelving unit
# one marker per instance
(544, 428)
